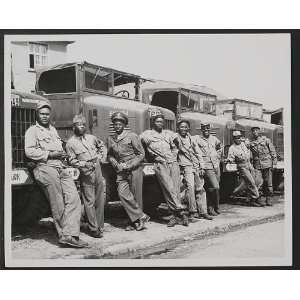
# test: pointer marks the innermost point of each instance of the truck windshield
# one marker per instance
(58, 81)
(248, 110)
(193, 101)
(111, 81)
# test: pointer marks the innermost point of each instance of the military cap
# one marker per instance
(119, 116)
(43, 103)
(183, 121)
(205, 125)
(255, 127)
(79, 119)
(156, 113)
(236, 133)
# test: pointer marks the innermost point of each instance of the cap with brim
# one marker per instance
(43, 103)
(183, 121)
(236, 133)
(79, 119)
(205, 126)
(156, 113)
(255, 127)
(120, 117)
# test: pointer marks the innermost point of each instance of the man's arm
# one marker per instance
(111, 158)
(101, 150)
(73, 161)
(174, 149)
(32, 148)
(139, 152)
(198, 152)
(231, 155)
(272, 151)
(219, 147)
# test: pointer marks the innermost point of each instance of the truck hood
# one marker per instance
(124, 104)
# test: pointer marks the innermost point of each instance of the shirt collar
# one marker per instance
(42, 127)
(120, 136)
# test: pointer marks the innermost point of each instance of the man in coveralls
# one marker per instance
(125, 153)
(163, 152)
(44, 146)
(264, 160)
(240, 154)
(191, 163)
(86, 152)
(211, 149)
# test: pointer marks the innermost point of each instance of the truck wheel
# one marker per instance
(29, 205)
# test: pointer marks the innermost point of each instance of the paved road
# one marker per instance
(266, 240)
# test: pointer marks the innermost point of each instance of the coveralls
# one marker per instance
(56, 182)
(83, 149)
(163, 152)
(190, 161)
(211, 148)
(264, 158)
(240, 155)
(127, 148)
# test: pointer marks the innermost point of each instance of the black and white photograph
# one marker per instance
(148, 150)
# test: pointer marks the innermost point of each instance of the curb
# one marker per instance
(136, 251)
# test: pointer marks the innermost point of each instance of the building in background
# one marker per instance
(27, 57)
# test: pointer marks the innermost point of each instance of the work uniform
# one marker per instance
(83, 149)
(163, 153)
(211, 152)
(240, 155)
(190, 161)
(127, 148)
(56, 182)
(264, 158)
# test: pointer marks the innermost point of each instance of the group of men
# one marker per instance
(197, 158)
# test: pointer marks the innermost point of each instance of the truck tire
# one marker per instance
(29, 205)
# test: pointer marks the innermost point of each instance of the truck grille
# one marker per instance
(21, 119)
(112, 131)
(169, 124)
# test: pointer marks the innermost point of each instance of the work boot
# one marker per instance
(193, 217)
(206, 216)
(141, 222)
(261, 202)
(211, 211)
(269, 201)
(72, 241)
(217, 211)
(130, 226)
(253, 202)
(185, 220)
(172, 222)
(217, 202)
(96, 234)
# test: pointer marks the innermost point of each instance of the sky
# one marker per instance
(254, 67)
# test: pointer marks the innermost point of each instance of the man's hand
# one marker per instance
(61, 155)
(201, 172)
(89, 165)
(123, 167)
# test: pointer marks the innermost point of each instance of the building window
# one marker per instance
(37, 55)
